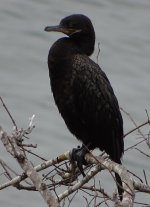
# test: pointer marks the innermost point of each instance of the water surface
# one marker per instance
(122, 28)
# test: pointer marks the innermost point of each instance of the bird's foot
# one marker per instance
(78, 156)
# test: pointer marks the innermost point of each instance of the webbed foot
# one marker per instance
(78, 156)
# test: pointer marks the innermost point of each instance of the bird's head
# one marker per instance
(73, 24)
(80, 30)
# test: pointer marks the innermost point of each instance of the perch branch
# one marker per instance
(10, 143)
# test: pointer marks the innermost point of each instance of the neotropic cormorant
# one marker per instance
(82, 91)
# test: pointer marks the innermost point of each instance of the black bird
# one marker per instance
(82, 91)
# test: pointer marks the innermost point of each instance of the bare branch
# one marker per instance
(4, 105)
(141, 187)
(79, 184)
(63, 174)
(11, 146)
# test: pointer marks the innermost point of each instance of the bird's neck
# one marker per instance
(85, 42)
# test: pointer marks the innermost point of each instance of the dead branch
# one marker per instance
(11, 145)
(63, 174)
(129, 184)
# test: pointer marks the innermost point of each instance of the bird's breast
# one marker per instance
(61, 85)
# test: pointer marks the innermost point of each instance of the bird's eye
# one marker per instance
(71, 25)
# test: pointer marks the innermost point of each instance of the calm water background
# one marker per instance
(123, 30)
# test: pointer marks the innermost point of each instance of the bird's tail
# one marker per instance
(119, 183)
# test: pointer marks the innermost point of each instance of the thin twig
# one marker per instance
(142, 152)
(13, 121)
(97, 57)
(136, 128)
(145, 177)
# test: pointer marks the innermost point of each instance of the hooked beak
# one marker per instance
(58, 28)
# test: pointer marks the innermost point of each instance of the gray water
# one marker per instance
(123, 30)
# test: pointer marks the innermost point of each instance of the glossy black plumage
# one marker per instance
(82, 91)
